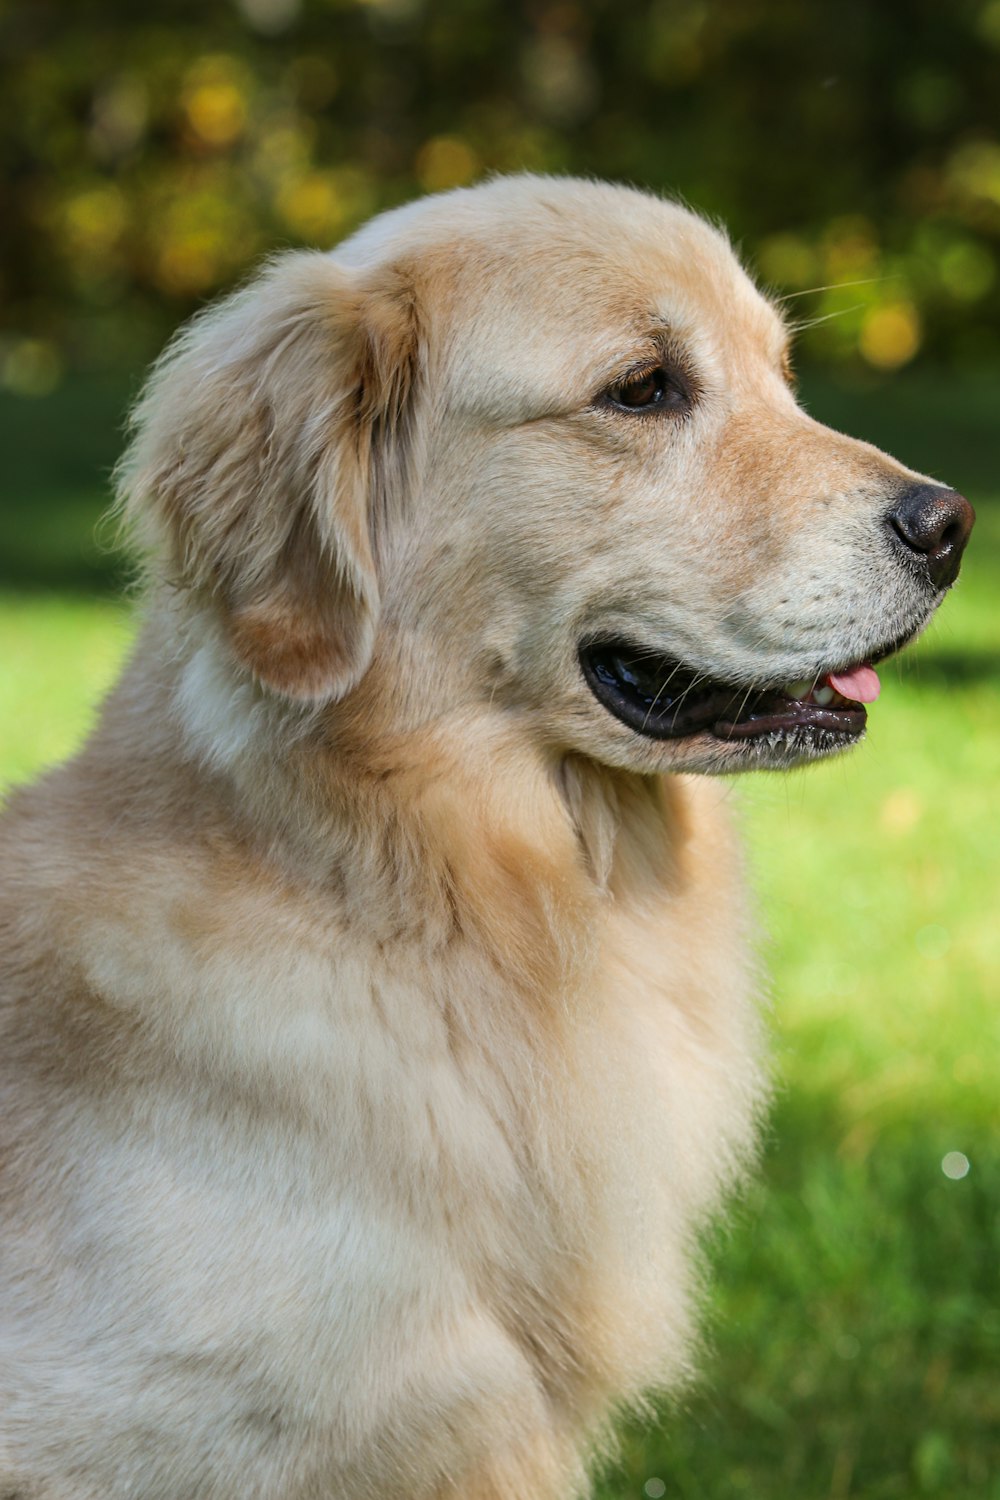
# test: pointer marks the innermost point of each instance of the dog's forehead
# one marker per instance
(604, 284)
(532, 283)
(549, 326)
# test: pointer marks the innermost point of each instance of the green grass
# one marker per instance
(853, 1344)
(854, 1317)
(58, 656)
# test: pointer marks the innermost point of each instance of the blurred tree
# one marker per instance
(148, 157)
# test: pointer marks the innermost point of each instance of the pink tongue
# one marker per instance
(860, 684)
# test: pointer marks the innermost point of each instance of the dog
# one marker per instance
(379, 1019)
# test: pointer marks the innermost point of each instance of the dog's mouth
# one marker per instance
(661, 698)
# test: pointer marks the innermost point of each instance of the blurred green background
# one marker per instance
(151, 155)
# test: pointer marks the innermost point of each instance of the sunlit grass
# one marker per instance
(855, 1332)
(854, 1343)
(879, 877)
(58, 655)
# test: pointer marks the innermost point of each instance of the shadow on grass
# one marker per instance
(55, 484)
(69, 555)
(945, 668)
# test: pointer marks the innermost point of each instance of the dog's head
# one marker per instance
(533, 445)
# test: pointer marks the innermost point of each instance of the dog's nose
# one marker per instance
(935, 522)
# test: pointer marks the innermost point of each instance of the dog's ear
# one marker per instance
(259, 446)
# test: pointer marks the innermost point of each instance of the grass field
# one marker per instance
(853, 1344)
(855, 1317)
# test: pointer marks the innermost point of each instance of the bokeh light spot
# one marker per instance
(901, 811)
(214, 101)
(311, 206)
(445, 162)
(95, 219)
(788, 260)
(270, 17)
(890, 335)
(988, 22)
(30, 367)
(967, 270)
(974, 170)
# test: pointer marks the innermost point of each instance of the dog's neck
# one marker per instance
(422, 829)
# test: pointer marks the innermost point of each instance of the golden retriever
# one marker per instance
(378, 1023)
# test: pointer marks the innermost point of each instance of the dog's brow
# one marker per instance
(668, 342)
(659, 342)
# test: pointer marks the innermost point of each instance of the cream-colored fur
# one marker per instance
(377, 1024)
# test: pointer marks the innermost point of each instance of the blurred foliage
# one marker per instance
(150, 155)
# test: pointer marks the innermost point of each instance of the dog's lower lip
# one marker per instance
(662, 699)
(849, 722)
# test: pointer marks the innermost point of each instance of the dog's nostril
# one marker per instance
(952, 536)
(936, 523)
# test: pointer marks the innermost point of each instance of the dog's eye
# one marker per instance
(649, 390)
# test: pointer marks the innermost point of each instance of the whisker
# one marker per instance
(746, 699)
(697, 679)
(663, 686)
(841, 312)
(832, 286)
